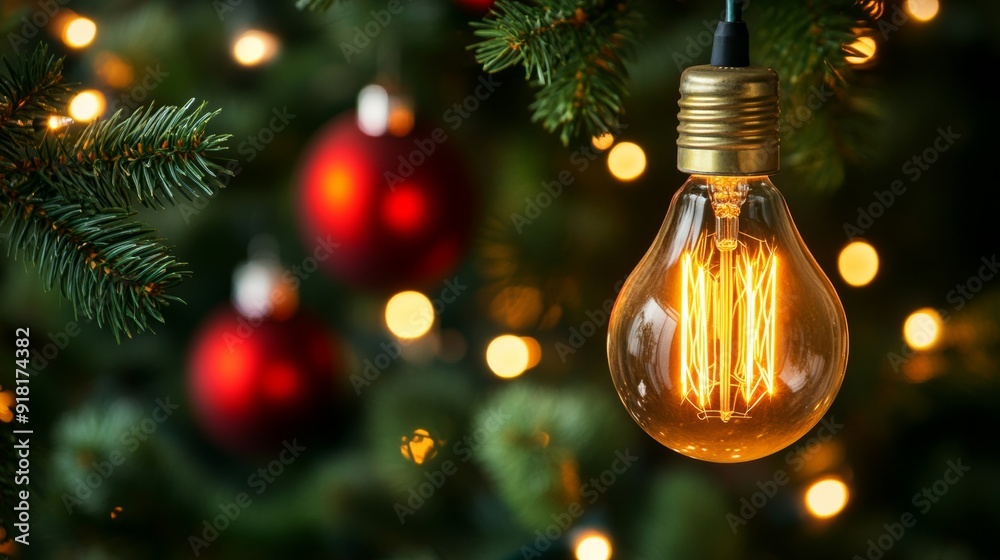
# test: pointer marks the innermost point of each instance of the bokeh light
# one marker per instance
(113, 69)
(922, 328)
(865, 47)
(117, 511)
(826, 498)
(602, 141)
(922, 10)
(592, 545)
(534, 351)
(87, 105)
(508, 356)
(254, 47)
(626, 161)
(419, 447)
(517, 307)
(79, 32)
(858, 263)
(409, 315)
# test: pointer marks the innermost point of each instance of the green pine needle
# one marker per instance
(66, 199)
(574, 51)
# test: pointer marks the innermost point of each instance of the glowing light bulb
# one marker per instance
(826, 498)
(727, 342)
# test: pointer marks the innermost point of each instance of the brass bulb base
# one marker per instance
(728, 121)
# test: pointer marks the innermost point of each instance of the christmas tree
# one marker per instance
(364, 256)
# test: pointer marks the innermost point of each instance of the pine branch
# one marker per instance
(153, 154)
(548, 446)
(66, 200)
(574, 51)
(32, 86)
(824, 106)
(111, 269)
(314, 5)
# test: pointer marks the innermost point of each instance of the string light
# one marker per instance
(409, 315)
(922, 328)
(508, 356)
(87, 105)
(79, 32)
(56, 122)
(858, 263)
(626, 161)
(826, 498)
(254, 47)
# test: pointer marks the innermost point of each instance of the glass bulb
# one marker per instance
(727, 342)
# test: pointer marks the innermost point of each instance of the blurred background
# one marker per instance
(453, 400)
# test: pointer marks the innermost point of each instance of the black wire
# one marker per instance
(734, 10)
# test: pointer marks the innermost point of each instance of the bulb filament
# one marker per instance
(728, 323)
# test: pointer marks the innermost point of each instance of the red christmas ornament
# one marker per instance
(475, 6)
(400, 207)
(257, 382)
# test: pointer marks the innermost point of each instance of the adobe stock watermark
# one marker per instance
(590, 492)
(922, 503)
(581, 159)
(958, 297)
(365, 33)
(796, 458)
(230, 511)
(455, 116)
(419, 494)
(372, 368)
(250, 148)
(913, 169)
(596, 318)
(131, 440)
(294, 277)
(32, 24)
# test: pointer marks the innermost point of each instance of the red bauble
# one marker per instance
(257, 382)
(475, 6)
(400, 208)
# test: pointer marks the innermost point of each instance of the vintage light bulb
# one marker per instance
(727, 342)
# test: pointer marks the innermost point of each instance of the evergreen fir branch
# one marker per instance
(66, 200)
(575, 51)
(152, 154)
(111, 269)
(548, 446)
(824, 106)
(31, 87)
(314, 5)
